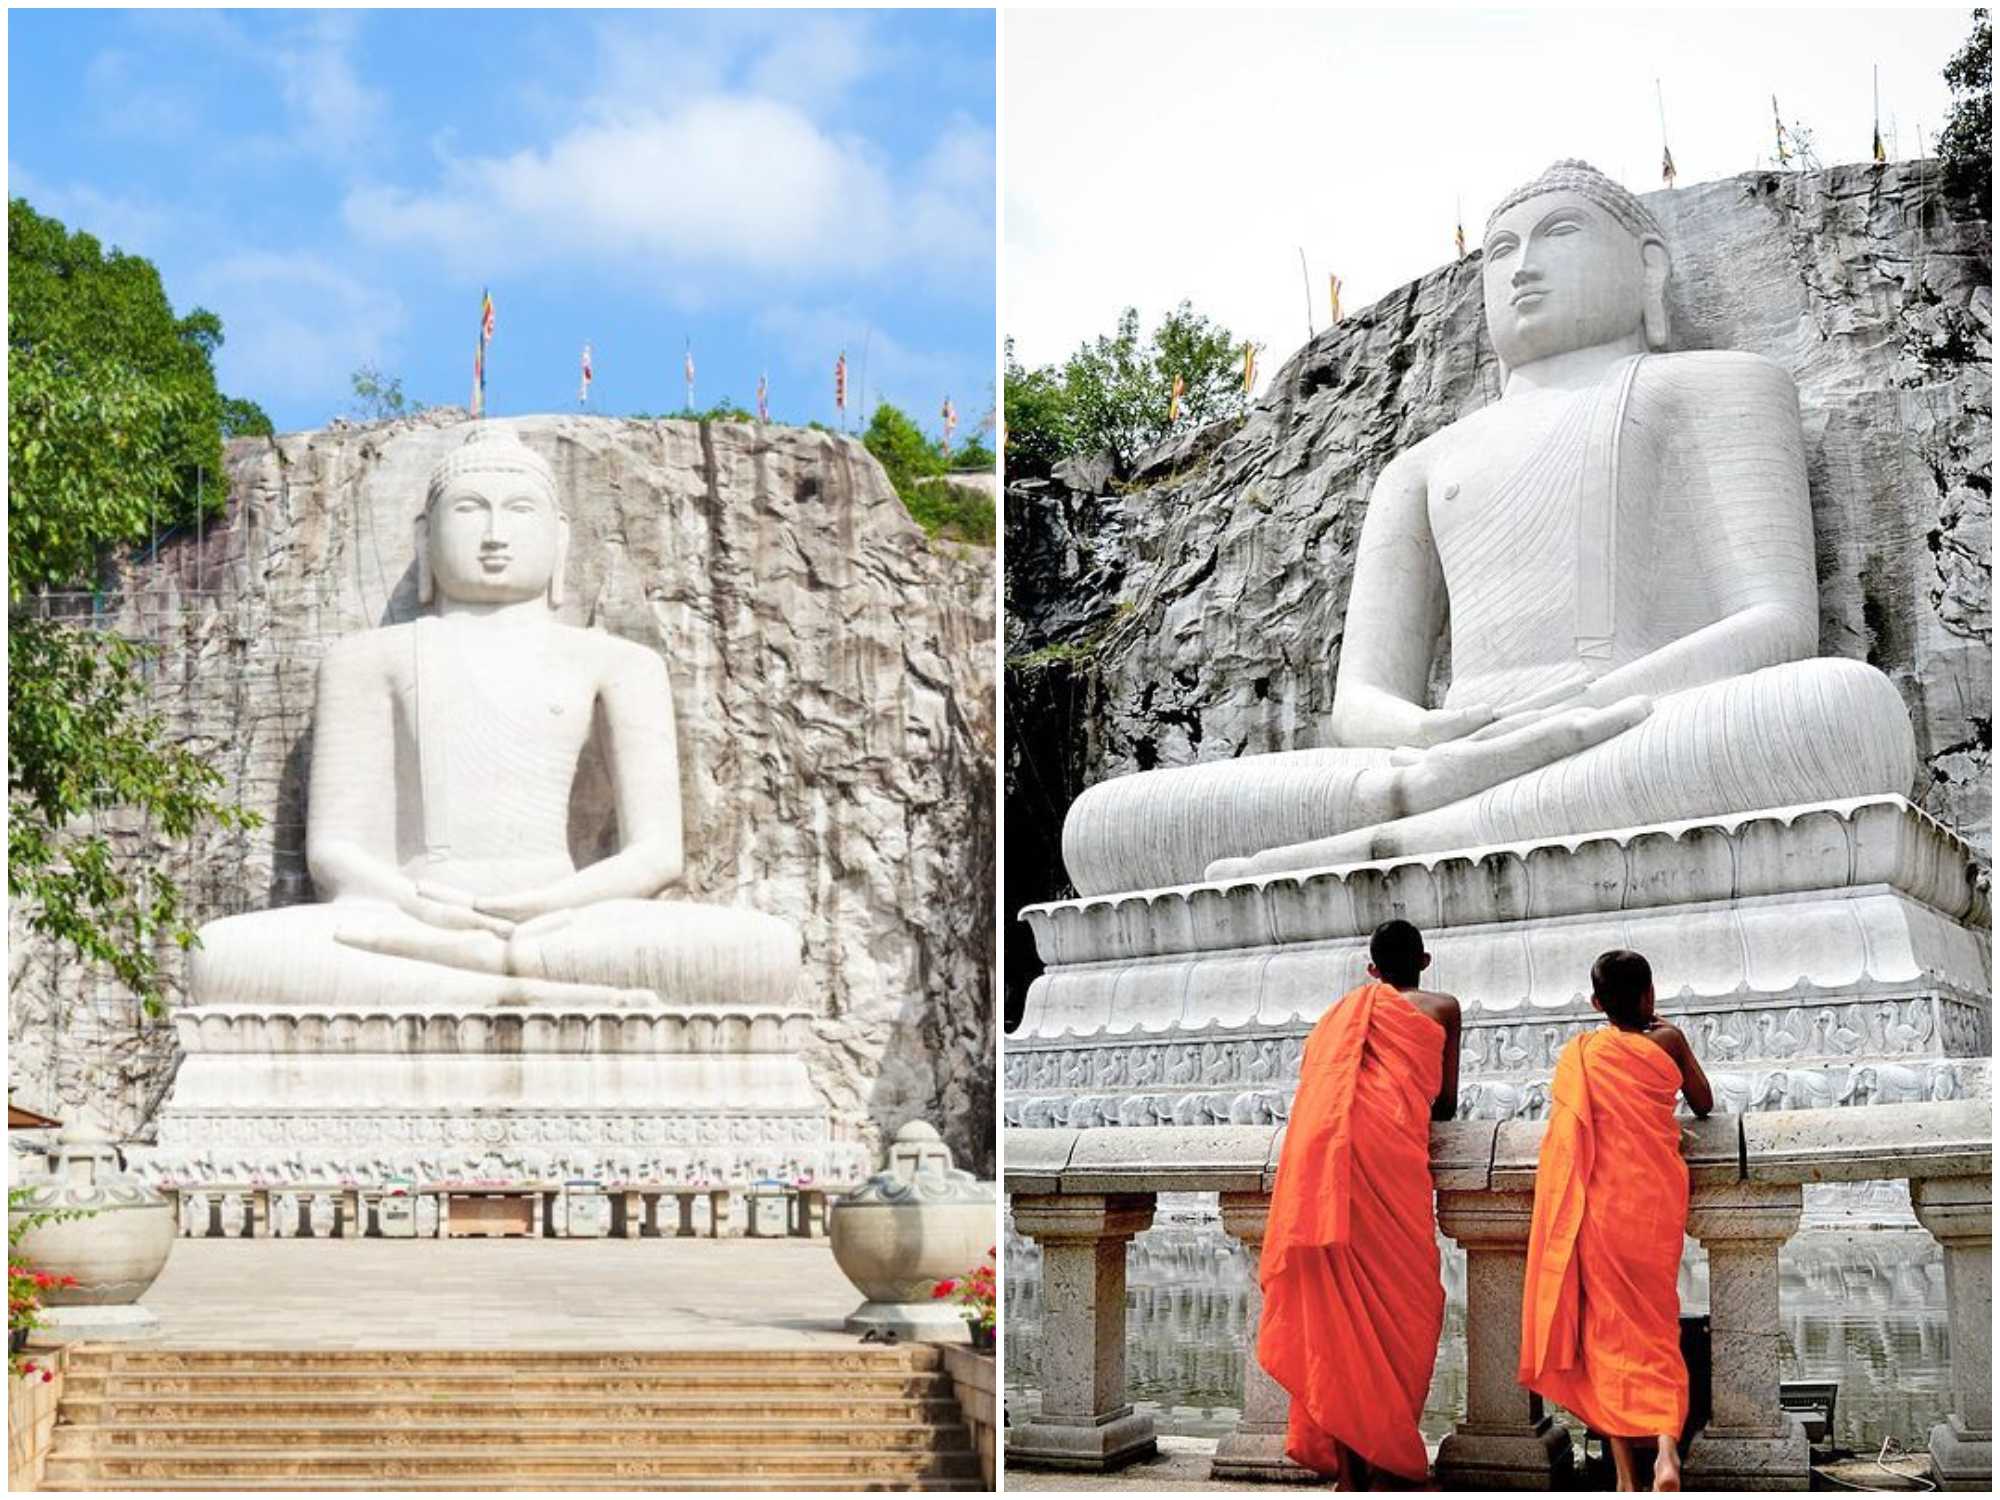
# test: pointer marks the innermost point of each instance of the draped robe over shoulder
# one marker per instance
(1600, 1313)
(1353, 1306)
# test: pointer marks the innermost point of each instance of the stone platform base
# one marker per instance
(1122, 1440)
(1959, 1462)
(1537, 1460)
(267, 1096)
(1258, 1456)
(1720, 1462)
(1831, 954)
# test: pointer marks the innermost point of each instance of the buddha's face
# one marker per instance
(1562, 274)
(494, 539)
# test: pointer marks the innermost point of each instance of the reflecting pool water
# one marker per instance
(1865, 1308)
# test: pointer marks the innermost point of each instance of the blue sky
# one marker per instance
(339, 185)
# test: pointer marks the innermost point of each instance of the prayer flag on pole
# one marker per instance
(764, 396)
(478, 377)
(1333, 292)
(1174, 405)
(687, 368)
(1667, 172)
(1458, 240)
(1881, 156)
(1784, 144)
(583, 390)
(485, 316)
(840, 382)
(1249, 368)
(950, 415)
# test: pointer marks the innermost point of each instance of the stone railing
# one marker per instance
(1083, 1195)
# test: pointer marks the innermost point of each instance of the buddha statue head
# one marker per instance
(1573, 261)
(492, 530)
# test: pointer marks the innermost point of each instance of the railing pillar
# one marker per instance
(1750, 1443)
(1958, 1211)
(1256, 1449)
(1085, 1421)
(1506, 1441)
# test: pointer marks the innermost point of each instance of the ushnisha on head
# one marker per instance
(1573, 261)
(492, 530)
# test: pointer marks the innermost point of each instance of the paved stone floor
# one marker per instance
(502, 1293)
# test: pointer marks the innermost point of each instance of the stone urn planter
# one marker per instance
(115, 1253)
(919, 1222)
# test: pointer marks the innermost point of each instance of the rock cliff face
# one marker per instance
(1198, 615)
(833, 681)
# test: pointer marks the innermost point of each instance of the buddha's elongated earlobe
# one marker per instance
(1657, 266)
(426, 580)
(562, 561)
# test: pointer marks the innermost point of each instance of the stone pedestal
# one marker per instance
(1506, 1441)
(1256, 1449)
(1959, 1212)
(1832, 954)
(1085, 1420)
(1750, 1442)
(291, 1095)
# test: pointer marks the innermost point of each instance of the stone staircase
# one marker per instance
(807, 1419)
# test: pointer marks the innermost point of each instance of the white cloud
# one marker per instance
(718, 182)
(334, 113)
(295, 325)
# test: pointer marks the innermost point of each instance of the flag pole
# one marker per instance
(1306, 277)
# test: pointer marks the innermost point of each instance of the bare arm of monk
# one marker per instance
(1446, 1014)
(1395, 612)
(1694, 1082)
(645, 772)
(351, 804)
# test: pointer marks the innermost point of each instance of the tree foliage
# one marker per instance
(378, 396)
(75, 302)
(1966, 144)
(916, 467)
(107, 432)
(1115, 394)
(241, 418)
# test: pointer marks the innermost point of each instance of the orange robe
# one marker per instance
(1353, 1306)
(1600, 1313)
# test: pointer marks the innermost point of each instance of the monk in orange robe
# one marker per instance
(1353, 1306)
(1600, 1314)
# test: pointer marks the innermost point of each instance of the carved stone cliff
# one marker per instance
(1197, 615)
(832, 677)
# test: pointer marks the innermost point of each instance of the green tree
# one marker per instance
(1966, 144)
(1040, 430)
(241, 418)
(915, 466)
(378, 396)
(972, 454)
(98, 447)
(1115, 394)
(67, 296)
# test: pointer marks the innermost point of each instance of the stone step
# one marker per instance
(403, 1409)
(273, 1466)
(278, 1379)
(764, 1361)
(479, 1480)
(73, 1439)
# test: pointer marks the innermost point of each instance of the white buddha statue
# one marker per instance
(1623, 545)
(443, 756)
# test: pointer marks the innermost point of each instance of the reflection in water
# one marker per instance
(1865, 1308)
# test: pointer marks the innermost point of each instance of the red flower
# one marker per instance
(47, 1376)
(943, 1289)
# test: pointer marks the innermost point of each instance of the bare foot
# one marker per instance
(1667, 1467)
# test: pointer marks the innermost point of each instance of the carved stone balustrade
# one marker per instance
(1082, 1195)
